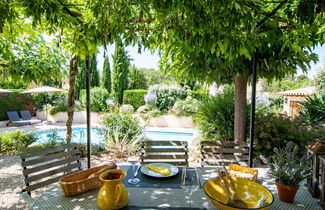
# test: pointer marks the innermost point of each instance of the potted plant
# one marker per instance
(288, 168)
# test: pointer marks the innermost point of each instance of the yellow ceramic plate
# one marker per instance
(253, 194)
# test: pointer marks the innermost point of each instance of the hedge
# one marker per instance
(134, 97)
(167, 95)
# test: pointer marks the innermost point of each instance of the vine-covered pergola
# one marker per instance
(210, 41)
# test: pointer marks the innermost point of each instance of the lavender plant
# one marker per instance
(287, 166)
(151, 98)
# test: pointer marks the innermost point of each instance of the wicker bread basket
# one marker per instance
(243, 172)
(80, 182)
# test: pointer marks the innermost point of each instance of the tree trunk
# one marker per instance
(73, 70)
(240, 107)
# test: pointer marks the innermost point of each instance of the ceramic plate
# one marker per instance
(173, 169)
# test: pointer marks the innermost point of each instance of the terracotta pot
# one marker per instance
(286, 193)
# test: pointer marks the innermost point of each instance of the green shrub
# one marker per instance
(215, 118)
(95, 149)
(121, 133)
(313, 109)
(13, 102)
(167, 95)
(273, 130)
(41, 99)
(275, 106)
(39, 146)
(155, 113)
(58, 108)
(134, 97)
(97, 99)
(199, 94)
(187, 107)
(16, 141)
(53, 136)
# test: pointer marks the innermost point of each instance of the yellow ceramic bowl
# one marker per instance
(253, 194)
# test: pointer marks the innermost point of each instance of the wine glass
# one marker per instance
(190, 181)
(133, 160)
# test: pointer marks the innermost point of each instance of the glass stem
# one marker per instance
(133, 169)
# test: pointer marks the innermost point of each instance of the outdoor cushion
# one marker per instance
(34, 121)
(14, 118)
(25, 114)
(21, 122)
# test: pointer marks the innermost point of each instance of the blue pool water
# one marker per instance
(79, 135)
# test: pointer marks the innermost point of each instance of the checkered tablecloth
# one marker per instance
(166, 197)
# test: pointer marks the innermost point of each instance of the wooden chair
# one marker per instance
(47, 166)
(216, 153)
(173, 152)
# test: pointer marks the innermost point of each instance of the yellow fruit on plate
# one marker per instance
(160, 170)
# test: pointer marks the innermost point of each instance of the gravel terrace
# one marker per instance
(11, 181)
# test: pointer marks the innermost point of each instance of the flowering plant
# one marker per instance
(109, 102)
(287, 166)
(150, 98)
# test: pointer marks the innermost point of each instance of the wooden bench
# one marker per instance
(216, 153)
(173, 152)
(47, 166)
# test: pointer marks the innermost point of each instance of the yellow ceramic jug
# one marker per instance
(113, 194)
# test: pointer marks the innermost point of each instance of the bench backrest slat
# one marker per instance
(47, 151)
(50, 165)
(173, 152)
(30, 188)
(223, 152)
(46, 166)
(165, 143)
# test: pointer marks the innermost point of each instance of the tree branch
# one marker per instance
(271, 13)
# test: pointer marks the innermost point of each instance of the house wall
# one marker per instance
(286, 102)
(78, 117)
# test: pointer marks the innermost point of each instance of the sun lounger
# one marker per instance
(25, 114)
(14, 119)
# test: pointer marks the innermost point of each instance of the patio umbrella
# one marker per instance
(44, 89)
(5, 91)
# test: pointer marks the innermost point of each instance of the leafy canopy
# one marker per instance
(25, 56)
(206, 40)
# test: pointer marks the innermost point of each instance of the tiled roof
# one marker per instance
(300, 92)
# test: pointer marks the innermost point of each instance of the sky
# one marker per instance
(148, 59)
(314, 67)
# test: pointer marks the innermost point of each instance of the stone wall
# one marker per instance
(171, 121)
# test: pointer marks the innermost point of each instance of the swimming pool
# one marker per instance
(79, 135)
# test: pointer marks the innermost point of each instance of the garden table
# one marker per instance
(173, 198)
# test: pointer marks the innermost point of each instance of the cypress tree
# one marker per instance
(94, 74)
(106, 76)
(121, 62)
(137, 79)
(81, 78)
